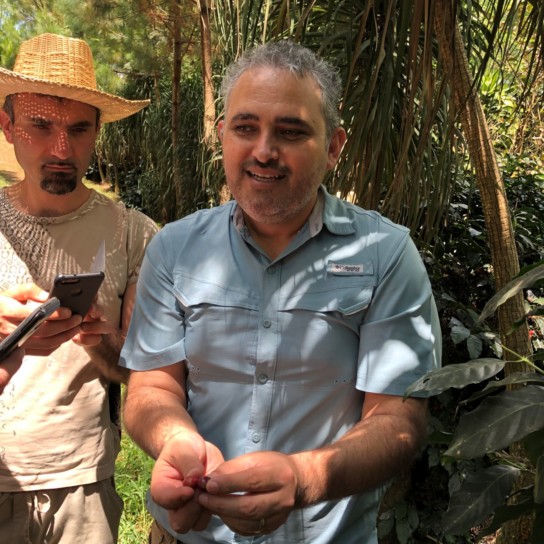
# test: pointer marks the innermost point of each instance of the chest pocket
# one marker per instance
(219, 320)
(344, 298)
(193, 293)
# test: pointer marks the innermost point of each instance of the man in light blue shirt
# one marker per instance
(273, 337)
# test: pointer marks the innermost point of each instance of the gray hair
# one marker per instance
(300, 62)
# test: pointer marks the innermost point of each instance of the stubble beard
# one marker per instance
(269, 207)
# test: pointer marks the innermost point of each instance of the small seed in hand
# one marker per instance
(196, 481)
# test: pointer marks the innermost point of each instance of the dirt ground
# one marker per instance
(9, 167)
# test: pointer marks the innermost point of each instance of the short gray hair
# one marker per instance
(300, 62)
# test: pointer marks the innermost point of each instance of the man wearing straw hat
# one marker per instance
(58, 441)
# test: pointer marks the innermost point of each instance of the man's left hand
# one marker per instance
(254, 493)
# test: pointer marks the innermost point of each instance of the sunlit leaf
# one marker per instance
(456, 376)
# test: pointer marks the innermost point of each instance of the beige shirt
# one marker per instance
(55, 429)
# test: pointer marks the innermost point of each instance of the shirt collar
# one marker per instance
(337, 216)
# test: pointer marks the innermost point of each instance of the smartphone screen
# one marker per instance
(27, 327)
(77, 291)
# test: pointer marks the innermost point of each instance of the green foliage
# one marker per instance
(132, 478)
(137, 152)
(503, 416)
(460, 271)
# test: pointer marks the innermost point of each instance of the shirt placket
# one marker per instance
(265, 360)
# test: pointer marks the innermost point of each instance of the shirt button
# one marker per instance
(263, 378)
(271, 270)
(267, 324)
(256, 437)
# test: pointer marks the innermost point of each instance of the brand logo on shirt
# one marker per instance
(349, 269)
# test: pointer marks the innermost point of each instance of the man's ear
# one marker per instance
(6, 125)
(336, 145)
(221, 129)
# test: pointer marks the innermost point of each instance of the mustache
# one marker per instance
(59, 163)
(272, 163)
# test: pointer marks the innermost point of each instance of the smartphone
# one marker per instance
(28, 326)
(77, 291)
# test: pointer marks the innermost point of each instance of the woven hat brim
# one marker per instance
(112, 108)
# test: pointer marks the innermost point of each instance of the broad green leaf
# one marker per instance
(459, 333)
(456, 376)
(478, 497)
(510, 289)
(539, 481)
(518, 378)
(497, 422)
(403, 530)
(385, 525)
(533, 445)
(474, 345)
(507, 512)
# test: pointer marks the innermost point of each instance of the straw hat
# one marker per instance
(60, 66)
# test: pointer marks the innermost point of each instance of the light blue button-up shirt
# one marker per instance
(279, 353)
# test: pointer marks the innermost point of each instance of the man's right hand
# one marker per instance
(18, 302)
(185, 457)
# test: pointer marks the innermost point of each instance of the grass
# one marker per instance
(132, 476)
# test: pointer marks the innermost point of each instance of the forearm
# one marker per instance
(105, 356)
(152, 416)
(372, 452)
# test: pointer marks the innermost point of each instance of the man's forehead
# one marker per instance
(271, 85)
(34, 105)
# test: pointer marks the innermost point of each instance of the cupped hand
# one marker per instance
(254, 493)
(184, 459)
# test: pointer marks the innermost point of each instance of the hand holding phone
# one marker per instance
(77, 291)
(27, 327)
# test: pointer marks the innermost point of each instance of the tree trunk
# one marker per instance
(177, 180)
(500, 233)
(207, 74)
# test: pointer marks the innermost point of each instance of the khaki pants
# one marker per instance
(159, 535)
(86, 514)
